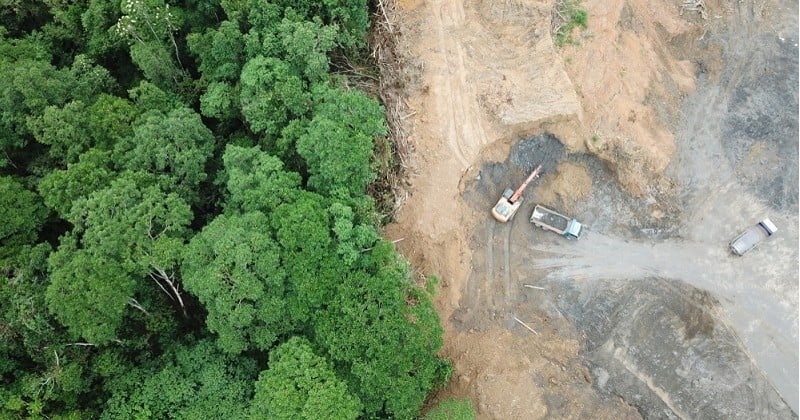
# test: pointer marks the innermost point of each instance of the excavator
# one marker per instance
(509, 203)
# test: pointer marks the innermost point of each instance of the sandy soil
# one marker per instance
(487, 74)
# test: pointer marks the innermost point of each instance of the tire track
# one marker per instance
(480, 290)
(508, 280)
(456, 100)
(507, 262)
(490, 255)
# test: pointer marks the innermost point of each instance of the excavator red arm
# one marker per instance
(524, 185)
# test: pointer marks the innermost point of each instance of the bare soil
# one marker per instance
(653, 125)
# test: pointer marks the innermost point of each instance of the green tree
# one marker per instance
(286, 34)
(23, 313)
(149, 97)
(43, 370)
(131, 221)
(122, 234)
(150, 27)
(96, 19)
(352, 237)
(259, 16)
(27, 87)
(88, 293)
(23, 214)
(233, 267)
(110, 119)
(173, 147)
(271, 95)
(64, 129)
(187, 382)
(220, 100)
(220, 52)
(308, 255)
(64, 30)
(257, 181)
(29, 84)
(61, 187)
(154, 60)
(348, 16)
(337, 145)
(351, 16)
(306, 45)
(20, 16)
(87, 80)
(301, 385)
(383, 334)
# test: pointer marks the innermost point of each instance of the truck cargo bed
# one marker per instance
(554, 221)
(551, 219)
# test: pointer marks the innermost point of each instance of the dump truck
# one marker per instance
(550, 220)
(751, 237)
(509, 203)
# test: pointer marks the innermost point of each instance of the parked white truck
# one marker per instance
(748, 239)
(556, 222)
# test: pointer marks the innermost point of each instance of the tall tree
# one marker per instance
(383, 335)
(149, 97)
(220, 52)
(271, 95)
(221, 56)
(64, 129)
(305, 46)
(220, 101)
(123, 234)
(349, 16)
(96, 19)
(174, 147)
(233, 267)
(257, 181)
(42, 375)
(302, 229)
(150, 27)
(87, 80)
(337, 145)
(28, 86)
(23, 214)
(110, 119)
(88, 293)
(62, 187)
(301, 385)
(189, 381)
(352, 235)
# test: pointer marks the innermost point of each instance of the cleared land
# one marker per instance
(666, 134)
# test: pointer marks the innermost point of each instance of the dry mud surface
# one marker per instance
(665, 134)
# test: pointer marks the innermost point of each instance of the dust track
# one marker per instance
(764, 318)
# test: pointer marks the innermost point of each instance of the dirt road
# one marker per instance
(665, 133)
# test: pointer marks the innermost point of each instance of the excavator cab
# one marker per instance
(504, 210)
(509, 203)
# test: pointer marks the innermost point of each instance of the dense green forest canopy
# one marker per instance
(186, 230)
